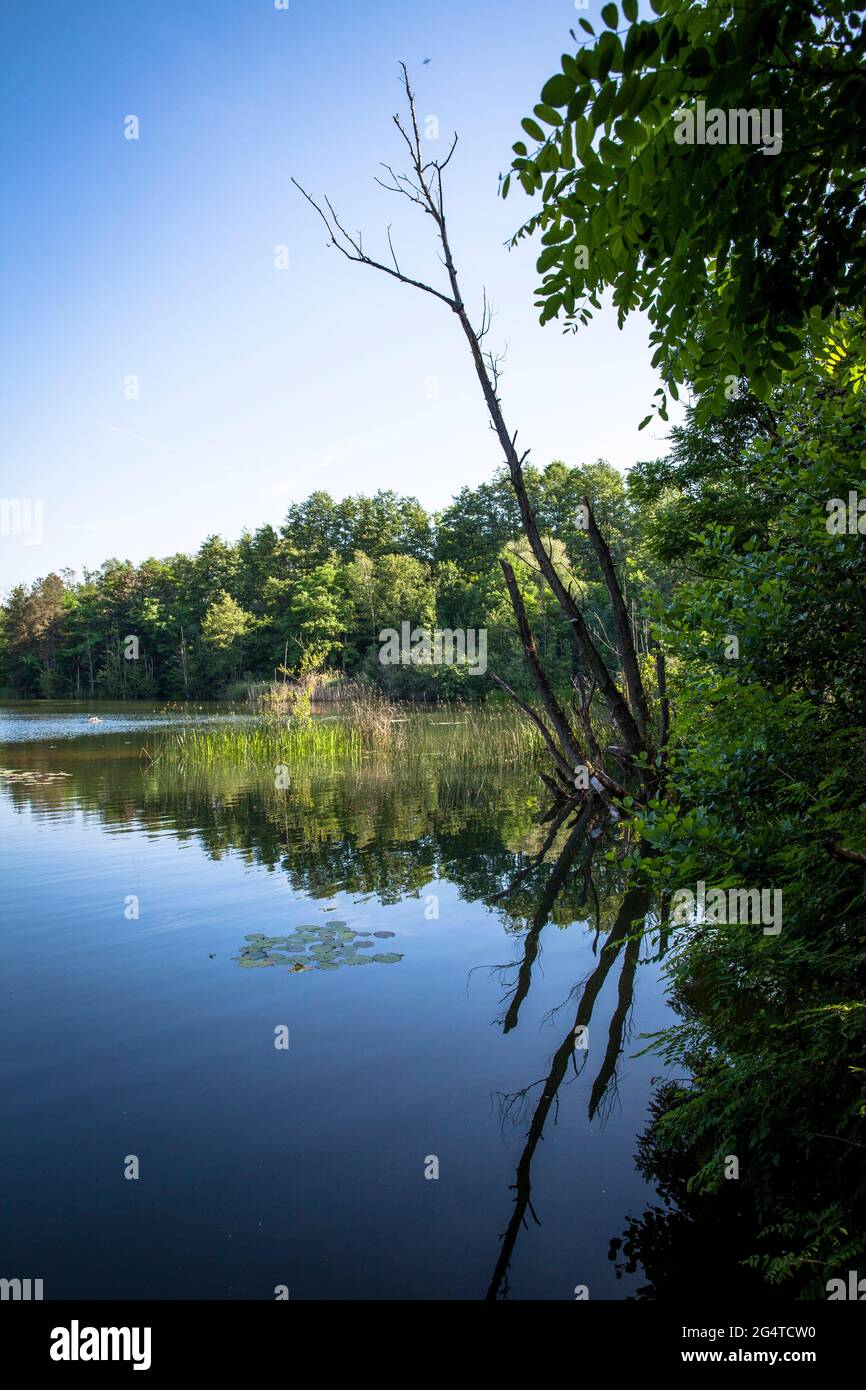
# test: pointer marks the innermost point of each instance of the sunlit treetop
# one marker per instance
(706, 165)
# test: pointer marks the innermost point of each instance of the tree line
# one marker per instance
(313, 595)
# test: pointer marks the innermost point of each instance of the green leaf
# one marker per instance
(698, 63)
(547, 114)
(547, 258)
(609, 54)
(558, 91)
(646, 87)
(571, 70)
(533, 129)
(610, 15)
(603, 103)
(629, 9)
(630, 132)
(566, 149)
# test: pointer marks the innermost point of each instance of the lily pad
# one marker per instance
(326, 946)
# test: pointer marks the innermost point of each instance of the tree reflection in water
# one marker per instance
(623, 941)
(386, 834)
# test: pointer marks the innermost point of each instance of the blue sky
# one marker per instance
(154, 258)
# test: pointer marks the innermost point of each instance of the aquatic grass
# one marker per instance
(266, 744)
(282, 696)
(370, 732)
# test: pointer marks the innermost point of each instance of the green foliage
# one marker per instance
(737, 255)
(751, 267)
(310, 597)
(768, 767)
(319, 614)
(224, 624)
(220, 650)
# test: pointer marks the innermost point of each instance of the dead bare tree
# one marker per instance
(629, 710)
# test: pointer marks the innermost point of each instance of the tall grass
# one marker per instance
(285, 696)
(369, 730)
(265, 743)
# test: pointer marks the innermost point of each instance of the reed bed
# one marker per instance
(282, 696)
(267, 743)
(369, 730)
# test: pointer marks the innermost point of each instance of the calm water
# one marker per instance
(153, 1035)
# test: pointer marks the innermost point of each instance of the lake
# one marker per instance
(324, 1038)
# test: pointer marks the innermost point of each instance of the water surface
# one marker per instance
(158, 930)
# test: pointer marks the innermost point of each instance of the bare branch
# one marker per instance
(843, 855)
(664, 702)
(428, 191)
(622, 627)
(570, 746)
(353, 251)
(566, 772)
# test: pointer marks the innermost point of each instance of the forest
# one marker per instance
(691, 629)
(311, 596)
